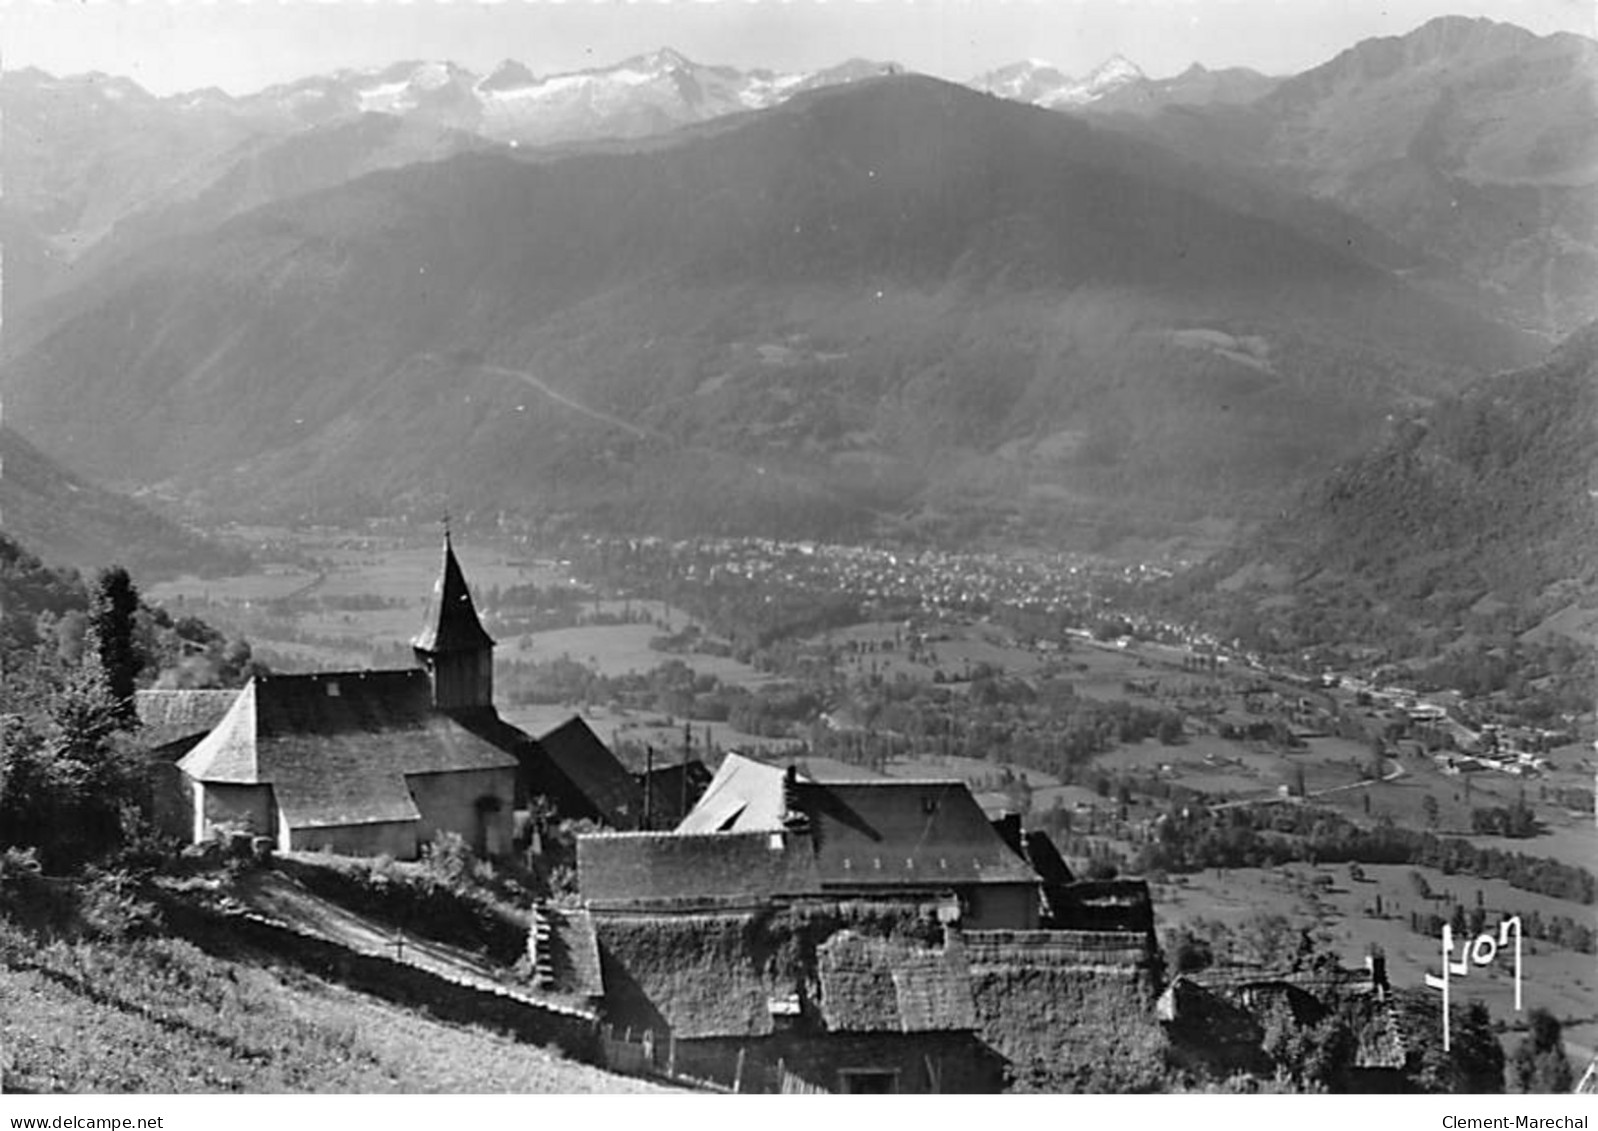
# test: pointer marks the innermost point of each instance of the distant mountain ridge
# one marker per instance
(68, 521)
(1474, 140)
(1043, 84)
(94, 164)
(1484, 504)
(892, 300)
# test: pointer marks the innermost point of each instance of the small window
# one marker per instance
(868, 1081)
(929, 804)
(332, 689)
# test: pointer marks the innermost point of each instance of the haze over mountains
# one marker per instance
(1480, 511)
(1474, 140)
(71, 522)
(843, 302)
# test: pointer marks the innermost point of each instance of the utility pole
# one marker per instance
(687, 749)
(649, 783)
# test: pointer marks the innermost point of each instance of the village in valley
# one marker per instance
(935, 824)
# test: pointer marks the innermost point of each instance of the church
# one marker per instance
(367, 763)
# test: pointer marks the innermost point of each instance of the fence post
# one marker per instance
(782, 1076)
(738, 1073)
(671, 1054)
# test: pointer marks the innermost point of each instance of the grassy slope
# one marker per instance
(161, 1016)
(1554, 978)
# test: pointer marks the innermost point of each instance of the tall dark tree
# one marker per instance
(1475, 1063)
(1540, 1064)
(112, 609)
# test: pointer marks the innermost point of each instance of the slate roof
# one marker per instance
(873, 985)
(576, 751)
(678, 871)
(451, 624)
(336, 746)
(171, 716)
(883, 832)
(905, 833)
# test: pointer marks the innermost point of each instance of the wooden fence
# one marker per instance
(707, 1069)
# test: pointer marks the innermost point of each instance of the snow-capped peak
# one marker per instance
(1114, 72)
(665, 59)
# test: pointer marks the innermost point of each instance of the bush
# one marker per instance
(450, 861)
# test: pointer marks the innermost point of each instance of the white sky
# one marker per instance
(240, 46)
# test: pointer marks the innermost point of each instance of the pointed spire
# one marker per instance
(451, 624)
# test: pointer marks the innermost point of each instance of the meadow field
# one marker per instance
(1560, 980)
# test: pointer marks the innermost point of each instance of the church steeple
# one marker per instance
(457, 653)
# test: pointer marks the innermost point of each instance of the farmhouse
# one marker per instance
(854, 1012)
(381, 762)
(171, 723)
(887, 838)
(863, 933)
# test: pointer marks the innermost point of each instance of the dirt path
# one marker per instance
(282, 901)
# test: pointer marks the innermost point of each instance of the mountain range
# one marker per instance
(1473, 140)
(896, 298)
(688, 297)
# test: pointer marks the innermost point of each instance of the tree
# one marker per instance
(1313, 1056)
(112, 608)
(67, 785)
(1476, 1061)
(1540, 1064)
(1429, 806)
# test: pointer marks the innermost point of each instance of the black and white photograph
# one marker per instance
(798, 547)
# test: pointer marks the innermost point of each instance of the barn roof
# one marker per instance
(898, 832)
(668, 871)
(874, 985)
(867, 832)
(451, 624)
(336, 746)
(746, 794)
(170, 716)
(576, 751)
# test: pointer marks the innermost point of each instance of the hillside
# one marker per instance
(1479, 509)
(69, 521)
(896, 300)
(1472, 141)
(105, 1013)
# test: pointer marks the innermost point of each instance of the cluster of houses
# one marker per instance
(845, 930)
